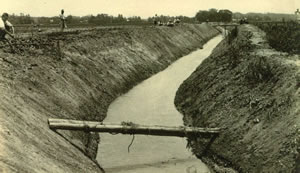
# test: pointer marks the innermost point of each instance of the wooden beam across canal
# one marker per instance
(226, 25)
(130, 128)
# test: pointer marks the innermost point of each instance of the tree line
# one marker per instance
(214, 15)
(211, 15)
(99, 19)
(265, 16)
(90, 19)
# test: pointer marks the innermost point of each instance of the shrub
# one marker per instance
(232, 35)
(259, 70)
(234, 55)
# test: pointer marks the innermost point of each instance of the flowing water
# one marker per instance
(152, 103)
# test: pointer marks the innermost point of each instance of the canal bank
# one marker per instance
(252, 91)
(76, 75)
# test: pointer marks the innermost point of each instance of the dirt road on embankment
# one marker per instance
(252, 91)
(76, 75)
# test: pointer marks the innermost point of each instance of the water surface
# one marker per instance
(152, 103)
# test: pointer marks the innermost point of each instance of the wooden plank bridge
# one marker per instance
(225, 26)
(130, 128)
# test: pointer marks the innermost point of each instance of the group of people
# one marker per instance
(169, 23)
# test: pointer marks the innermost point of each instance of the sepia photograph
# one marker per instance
(157, 86)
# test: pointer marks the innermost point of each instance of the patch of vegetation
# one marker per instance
(235, 51)
(283, 36)
(259, 69)
(234, 55)
(232, 35)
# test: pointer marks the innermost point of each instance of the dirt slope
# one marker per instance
(252, 91)
(76, 75)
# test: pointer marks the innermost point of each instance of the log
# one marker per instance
(130, 128)
(224, 25)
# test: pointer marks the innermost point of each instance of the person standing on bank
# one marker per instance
(6, 28)
(62, 20)
(155, 19)
(297, 13)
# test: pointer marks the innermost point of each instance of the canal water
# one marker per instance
(152, 103)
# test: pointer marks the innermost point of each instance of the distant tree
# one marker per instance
(69, 19)
(186, 19)
(134, 19)
(254, 17)
(202, 16)
(119, 19)
(266, 18)
(92, 19)
(21, 19)
(213, 15)
(237, 16)
(225, 16)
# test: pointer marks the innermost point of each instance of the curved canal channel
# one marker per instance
(152, 103)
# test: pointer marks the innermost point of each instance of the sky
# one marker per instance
(143, 8)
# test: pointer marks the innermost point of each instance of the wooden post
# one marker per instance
(130, 128)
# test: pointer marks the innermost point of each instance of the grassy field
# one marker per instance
(283, 36)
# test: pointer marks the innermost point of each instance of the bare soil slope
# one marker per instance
(76, 75)
(252, 91)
